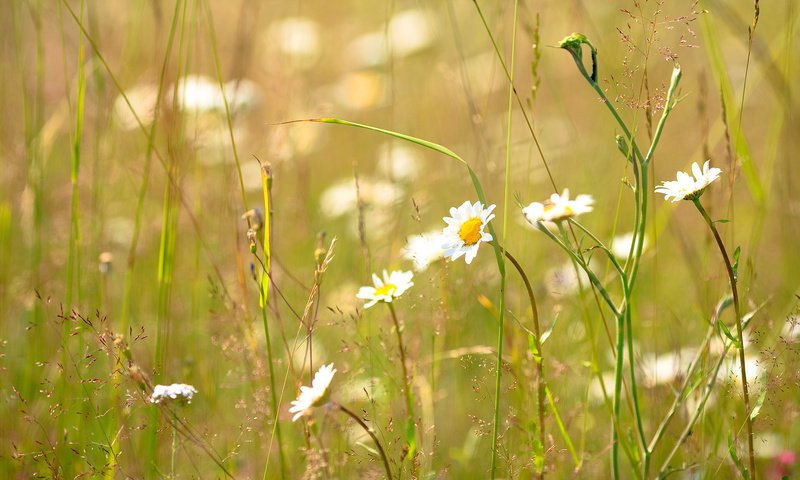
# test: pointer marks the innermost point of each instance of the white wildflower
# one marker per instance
(686, 187)
(465, 230)
(314, 395)
(177, 391)
(424, 249)
(558, 207)
(386, 289)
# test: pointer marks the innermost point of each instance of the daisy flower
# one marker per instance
(314, 395)
(424, 249)
(686, 187)
(558, 207)
(464, 231)
(176, 391)
(386, 289)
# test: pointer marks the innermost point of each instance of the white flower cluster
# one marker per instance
(176, 391)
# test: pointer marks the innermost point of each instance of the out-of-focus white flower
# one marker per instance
(424, 249)
(465, 230)
(297, 38)
(408, 32)
(198, 93)
(596, 388)
(341, 197)
(398, 161)
(558, 207)
(665, 368)
(242, 94)
(686, 187)
(732, 369)
(621, 245)
(143, 100)
(386, 289)
(769, 445)
(177, 391)
(314, 395)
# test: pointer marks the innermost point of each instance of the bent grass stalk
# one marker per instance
(371, 434)
(739, 331)
(538, 357)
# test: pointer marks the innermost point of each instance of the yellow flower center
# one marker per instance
(387, 289)
(470, 231)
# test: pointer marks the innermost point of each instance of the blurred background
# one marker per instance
(127, 172)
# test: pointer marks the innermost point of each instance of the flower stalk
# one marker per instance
(739, 332)
(539, 357)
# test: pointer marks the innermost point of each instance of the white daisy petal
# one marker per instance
(315, 395)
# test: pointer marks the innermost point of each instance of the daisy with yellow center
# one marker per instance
(386, 289)
(558, 207)
(465, 230)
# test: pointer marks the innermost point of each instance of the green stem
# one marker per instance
(539, 359)
(406, 387)
(371, 434)
(739, 331)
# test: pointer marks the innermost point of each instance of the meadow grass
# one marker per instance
(207, 193)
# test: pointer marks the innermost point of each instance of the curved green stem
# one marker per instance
(539, 359)
(739, 332)
(371, 434)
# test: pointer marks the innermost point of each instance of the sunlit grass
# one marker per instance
(199, 192)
